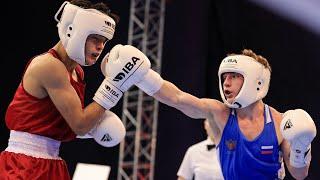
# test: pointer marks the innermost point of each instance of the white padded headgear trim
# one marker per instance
(76, 24)
(256, 79)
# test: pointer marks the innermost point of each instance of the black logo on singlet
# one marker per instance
(126, 69)
(288, 124)
(106, 137)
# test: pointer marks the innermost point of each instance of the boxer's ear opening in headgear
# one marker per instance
(76, 24)
(256, 79)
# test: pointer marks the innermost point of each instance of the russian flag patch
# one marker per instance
(266, 149)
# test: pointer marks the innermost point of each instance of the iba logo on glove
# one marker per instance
(126, 69)
(106, 137)
(287, 125)
(113, 92)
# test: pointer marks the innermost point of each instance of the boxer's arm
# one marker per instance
(297, 173)
(198, 108)
(65, 98)
(152, 84)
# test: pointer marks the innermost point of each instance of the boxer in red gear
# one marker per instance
(48, 105)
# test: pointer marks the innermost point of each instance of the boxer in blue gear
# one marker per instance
(253, 138)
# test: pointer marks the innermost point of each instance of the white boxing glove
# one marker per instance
(108, 94)
(146, 79)
(299, 129)
(123, 67)
(141, 73)
(108, 132)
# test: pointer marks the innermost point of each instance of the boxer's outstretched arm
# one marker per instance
(132, 64)
(198, 108)
(127, 65)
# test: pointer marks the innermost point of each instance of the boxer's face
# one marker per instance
(232, 83)
(93, 48)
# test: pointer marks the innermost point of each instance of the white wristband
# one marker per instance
(300, 159)
(107, 94)
(86, 136)
(150, 83)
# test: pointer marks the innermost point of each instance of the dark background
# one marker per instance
(197, 35)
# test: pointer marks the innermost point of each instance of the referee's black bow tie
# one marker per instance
(210, 146)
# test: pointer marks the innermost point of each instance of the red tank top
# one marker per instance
(40, 116)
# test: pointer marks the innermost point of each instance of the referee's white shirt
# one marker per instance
(201, 163)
